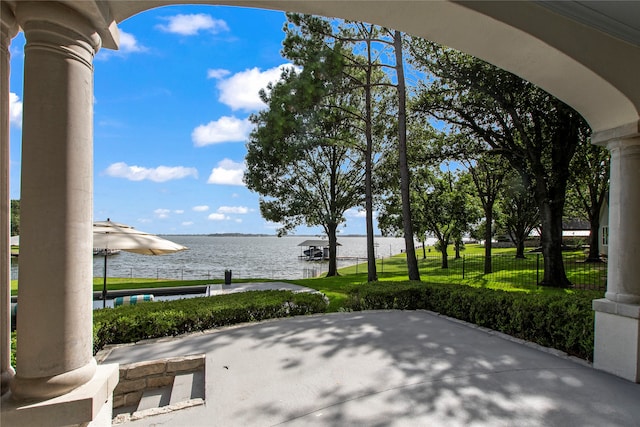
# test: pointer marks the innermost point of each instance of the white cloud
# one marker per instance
(228, 172)
(159, 174)
(355, 213)
(218, 217)
(241, 91)
(187, 223)
(233, 209)
(225, 129)
(201, 208)
(162, 213)
(192, 24)
(218, 73)
(272, 225)
(129, 43)
(15, 109)
(16, 51)
(179, 211)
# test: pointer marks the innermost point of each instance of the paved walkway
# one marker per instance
(256, 286)
(386, 368)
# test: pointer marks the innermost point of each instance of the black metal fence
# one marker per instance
(202, 274)
(525, 272)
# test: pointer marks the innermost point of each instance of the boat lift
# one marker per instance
(317, 250)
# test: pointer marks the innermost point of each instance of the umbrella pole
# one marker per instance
(104, 283)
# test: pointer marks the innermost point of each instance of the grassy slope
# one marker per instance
(394, 269)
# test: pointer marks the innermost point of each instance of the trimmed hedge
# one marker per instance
(127, 324)
(561, 321)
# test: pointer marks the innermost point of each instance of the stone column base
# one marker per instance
(617, 339)
(87, 405)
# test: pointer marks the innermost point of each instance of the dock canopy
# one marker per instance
(317, 243)
(318, 250)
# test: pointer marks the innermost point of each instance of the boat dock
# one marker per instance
(317, 250)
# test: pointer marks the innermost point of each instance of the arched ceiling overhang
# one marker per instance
(589, 67)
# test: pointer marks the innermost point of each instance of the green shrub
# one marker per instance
(168, 318)
(561, 321)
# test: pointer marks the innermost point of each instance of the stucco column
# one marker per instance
(617, 325)
(8, 30)
(54, 349)
(623, 280)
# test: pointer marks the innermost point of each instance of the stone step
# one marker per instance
(155, 398)
(187, 386)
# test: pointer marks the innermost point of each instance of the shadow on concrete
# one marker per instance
(388, 368)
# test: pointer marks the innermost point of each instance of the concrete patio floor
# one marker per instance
(385, 368)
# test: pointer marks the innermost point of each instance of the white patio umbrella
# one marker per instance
(109, 235)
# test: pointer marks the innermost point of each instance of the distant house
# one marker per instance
(575, 231)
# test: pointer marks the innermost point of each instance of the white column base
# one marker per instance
(617, 339)
(88, 405)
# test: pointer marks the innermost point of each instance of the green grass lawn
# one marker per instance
(509, 274)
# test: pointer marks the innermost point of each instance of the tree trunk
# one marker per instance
(445, 256)
(407, 222)
(372, 274)
(520, 249)
(333, 244)
(594, 237)
(551, 241)
(488, 217)
(518, 235)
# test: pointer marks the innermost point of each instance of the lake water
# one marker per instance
(208, 257)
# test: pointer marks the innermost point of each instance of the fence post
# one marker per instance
(463, 258)
(157, 273)
(537, 269)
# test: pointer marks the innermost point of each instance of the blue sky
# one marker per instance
(171, 119)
